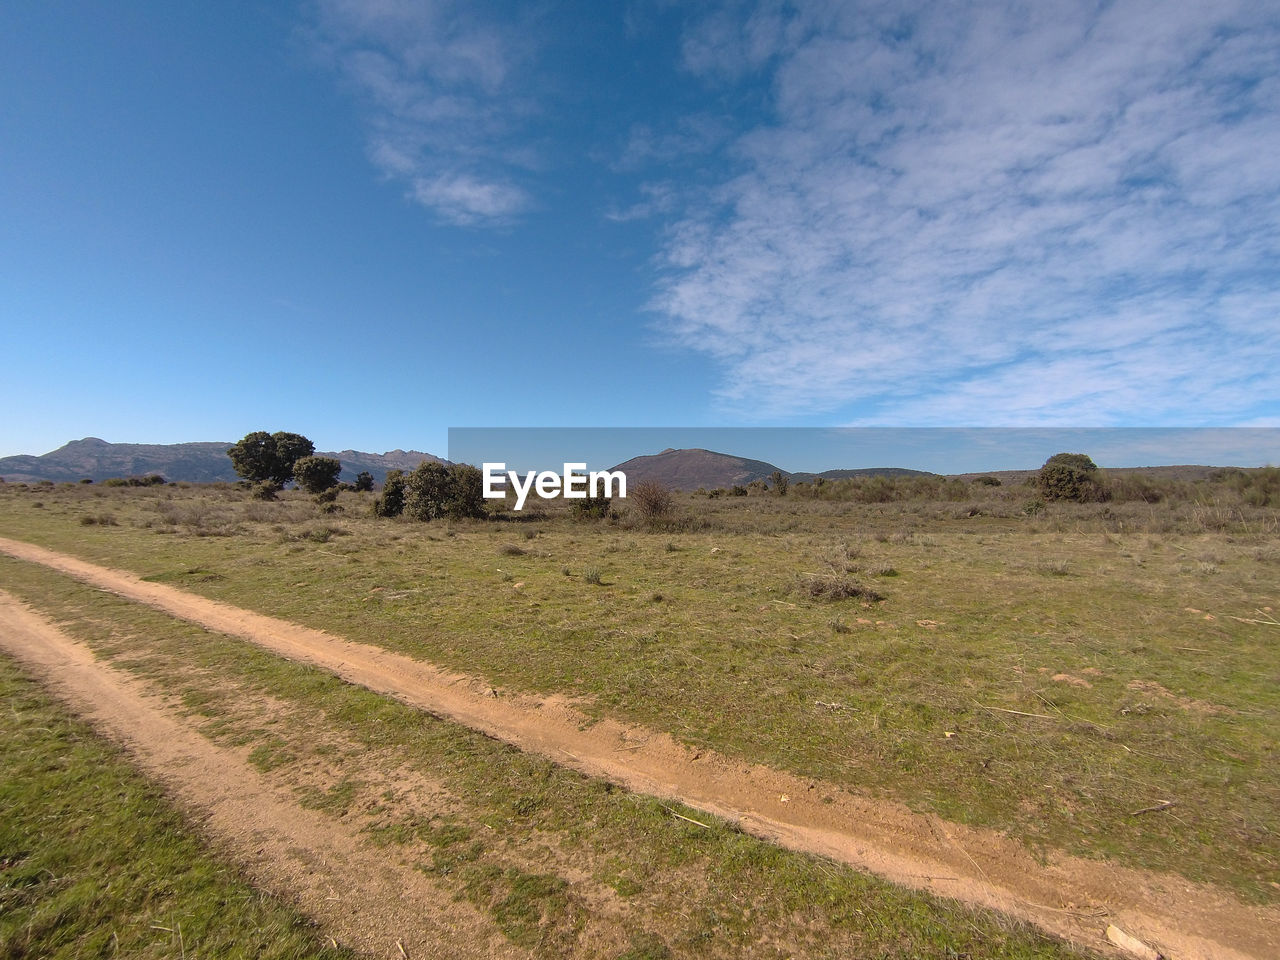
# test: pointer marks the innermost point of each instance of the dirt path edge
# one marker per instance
(1070, 897)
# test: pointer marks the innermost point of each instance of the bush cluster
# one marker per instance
(151, 480)
(433, 491)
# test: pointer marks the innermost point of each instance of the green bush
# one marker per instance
(364, 481)
(1135, 486)
(1259, 487)
(434, 491)
(590, 508)
(391, 503)
(316, 474)
(1070, 476)
(266, 490)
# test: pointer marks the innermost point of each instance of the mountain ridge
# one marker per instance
(197, 462)
(694, 467)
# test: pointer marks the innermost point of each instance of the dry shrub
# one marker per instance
(651, 500)
(833, 586)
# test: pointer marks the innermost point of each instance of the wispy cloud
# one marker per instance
(1041, 212)
(440, 85)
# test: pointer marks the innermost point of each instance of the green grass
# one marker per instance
(95, 863)
(563, 864)
(1114, 623)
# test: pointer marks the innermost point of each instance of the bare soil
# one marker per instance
(1070, 897)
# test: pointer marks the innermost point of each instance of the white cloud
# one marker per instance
(992, 213)
(440, 85)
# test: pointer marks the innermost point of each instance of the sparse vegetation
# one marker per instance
(979, 604)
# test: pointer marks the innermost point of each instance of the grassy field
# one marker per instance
(563, 865)
(1047, 670)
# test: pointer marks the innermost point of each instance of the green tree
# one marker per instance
(433, 491)
(263, 457)
(364, 480)
(316, 474)
(1070, 476)
(391, 503)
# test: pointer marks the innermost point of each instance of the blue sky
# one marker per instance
(371, 221)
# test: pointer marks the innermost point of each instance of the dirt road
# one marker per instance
(299, 854)
(1070, 897)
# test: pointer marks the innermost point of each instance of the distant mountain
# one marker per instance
(694, 468)
(195, 462)
(860, 472)
(353, 462)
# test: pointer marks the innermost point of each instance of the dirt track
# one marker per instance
(1070, 897)
(294, 852)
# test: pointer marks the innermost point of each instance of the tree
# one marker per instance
(391, 503)
(264, 457)
(1070, 476)
(780, 482)
(316, 474)
(364, 480)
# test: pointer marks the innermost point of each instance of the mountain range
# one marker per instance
(687, 469)
(96, 460)
(693, 468)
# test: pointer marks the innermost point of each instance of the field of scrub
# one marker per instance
(1100, 681)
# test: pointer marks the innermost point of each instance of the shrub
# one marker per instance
(1135, 486)
(651, 500)
(152, 480)
(738, 490)
(434, 490)
(316, 474)
(329, 496)
(364, 481)
(391, 503)
(1070, 476)
(590, 508)
(780, 482)
(1259, 487)
(266, 490)
(836, 587)
(987, 481)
